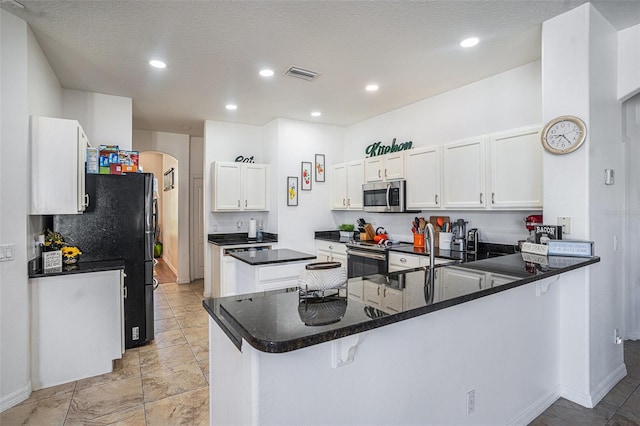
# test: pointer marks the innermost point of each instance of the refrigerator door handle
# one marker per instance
(155, 284)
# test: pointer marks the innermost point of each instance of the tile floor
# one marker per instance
(162, 383)
(165, 382)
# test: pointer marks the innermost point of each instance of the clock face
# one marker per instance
(563, 135)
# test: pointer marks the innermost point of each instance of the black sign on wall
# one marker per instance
(377, 148)
(241, 159)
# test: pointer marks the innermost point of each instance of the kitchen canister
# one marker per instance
(445, 240)
(252, 228)
(418, 240)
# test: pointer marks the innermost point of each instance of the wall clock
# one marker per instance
(563, 135)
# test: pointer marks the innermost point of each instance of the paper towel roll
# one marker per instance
(252, 228)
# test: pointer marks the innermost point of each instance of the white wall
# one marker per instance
(628, 62)
(151, 162)
(15, 385)
(501, 102)
(106, 119)
(176, 145)
(579, 74)
(171, 221)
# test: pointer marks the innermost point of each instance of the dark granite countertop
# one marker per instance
(445, 254)
(333, 236)
(78, 268)
(260, 318)
(267, 257)
(240, 238)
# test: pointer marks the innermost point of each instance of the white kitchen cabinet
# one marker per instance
(327, 251)
(423, 174)
(77, 326)
(516, 169)
(223, 267)
(58, 157)
(455, 282)
(384, 167)
(464, 173)
(346, 185)
(380, 296)
(239, 186)
(401, 261)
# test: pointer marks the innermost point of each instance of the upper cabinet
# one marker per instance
(516, 169)
(423, 171)
(239, 186)
(384, 167)
(58, 157)
(464, 173)
(346, 185)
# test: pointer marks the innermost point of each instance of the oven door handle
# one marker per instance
(367, 255)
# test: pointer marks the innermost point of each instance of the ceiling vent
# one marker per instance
(301, 73)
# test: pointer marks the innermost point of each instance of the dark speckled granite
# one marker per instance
(266, 257)
(238, 238)
(258, 318)
(80, 268)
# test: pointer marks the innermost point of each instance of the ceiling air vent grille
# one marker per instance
(301, 73)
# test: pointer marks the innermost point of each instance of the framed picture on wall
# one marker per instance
(292, 191)
(319, 169)
(305, 175)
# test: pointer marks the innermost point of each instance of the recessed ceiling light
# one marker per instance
(231, 107)
(316, 114)
(371, 88)
(266, 73)
(157, 64)
(469, 42)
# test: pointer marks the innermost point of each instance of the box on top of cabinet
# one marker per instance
(93, 156)
(108, 155)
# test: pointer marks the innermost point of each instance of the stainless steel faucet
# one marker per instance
(431, 273)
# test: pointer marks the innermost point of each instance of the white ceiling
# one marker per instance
(214, 50)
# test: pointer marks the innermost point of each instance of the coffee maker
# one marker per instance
(472, 241)
(459, 235)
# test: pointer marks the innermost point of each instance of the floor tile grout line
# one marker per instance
(73, 393)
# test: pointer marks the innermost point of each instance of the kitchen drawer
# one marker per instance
(331, 246)
(403, 260)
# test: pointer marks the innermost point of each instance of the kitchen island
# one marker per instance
(260, 270)
(486, 328)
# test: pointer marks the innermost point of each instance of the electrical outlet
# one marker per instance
(135, 333)
(471, 401)
(565, 222)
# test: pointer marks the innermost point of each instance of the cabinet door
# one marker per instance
(423, 178)
(401, 261)
(464, 173)
(516, 169)
(227, 186)
(342, 258)
(458, 282)
(394, 166)
(371, 293)
(228, 276)
(355, 179)
(392, 300)
(323, 256)
(339, 186)
(56, 151)
(374, 169)
(255, 185)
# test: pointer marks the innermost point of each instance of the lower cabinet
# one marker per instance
(400, 261)
(456, 282)
(382, 297)
(77, 326)
(327, 251)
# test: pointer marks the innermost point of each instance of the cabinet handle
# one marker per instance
(385, 173)
(378, 290)
(436, 199)
(403, 260)
(481, 198)
(344, 202)
(348, 202)
(493, 198)
(125, 292)
(245, 203)
(379, 173)
(86, 200)
(238, 203)
(480, 284)
(384, 293)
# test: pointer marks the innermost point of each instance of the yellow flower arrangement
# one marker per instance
(53, 241)
(70, 252)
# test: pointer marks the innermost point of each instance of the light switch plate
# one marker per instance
(565, 222)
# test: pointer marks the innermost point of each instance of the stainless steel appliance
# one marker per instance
(472, 240)
(366, 259)
(384, 197)
(120, 223)
(459, 235)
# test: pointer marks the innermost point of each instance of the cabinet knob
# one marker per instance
(481, 198)
(403, 260)
(493, 198)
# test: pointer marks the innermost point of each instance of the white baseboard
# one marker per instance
(608, 383)
(15, 398)
(535, 409)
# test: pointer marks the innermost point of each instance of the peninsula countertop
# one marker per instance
(258, 318)
(267, 257)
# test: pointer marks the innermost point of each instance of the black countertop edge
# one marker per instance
(238, 238)
(268, 257)
(79, 268)
(235, 338)
(329, 335)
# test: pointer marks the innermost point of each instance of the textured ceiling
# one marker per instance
(214, 50)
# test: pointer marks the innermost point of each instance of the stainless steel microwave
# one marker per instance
(384, 197)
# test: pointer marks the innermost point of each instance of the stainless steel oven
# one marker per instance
(366, 259)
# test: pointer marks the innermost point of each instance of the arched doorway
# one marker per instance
(165, 170)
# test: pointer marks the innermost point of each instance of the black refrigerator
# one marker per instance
(120, 223)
